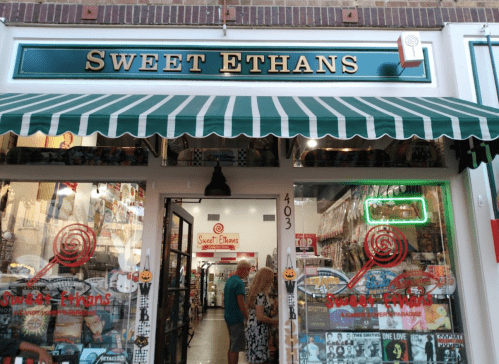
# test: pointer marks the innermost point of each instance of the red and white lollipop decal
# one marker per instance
(385, 246)
(73, 246)
(218, 228)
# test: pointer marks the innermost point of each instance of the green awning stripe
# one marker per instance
(214, 119)
(142, 119)
(482, 115)
(327, 123)
(162, 118)
(228, 117)
(243, 118)
(370, 132)
(312, 117)
(170, 131)
(269, 119)
(255, 116)
(413, 122)
(441, 123)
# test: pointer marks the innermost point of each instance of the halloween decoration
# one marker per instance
(145, 276)
(289, 274)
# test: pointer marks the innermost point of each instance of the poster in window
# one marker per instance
(423, 348)
(437, 317)
(317, 316)
(390, 318)
(414, 318)
(341, 318)
(68, 327)
(312, 348)
(450, 348)
(367, 347)
(395, 347)
(366, 318)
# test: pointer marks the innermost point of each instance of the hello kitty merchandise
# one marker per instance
(127, 282)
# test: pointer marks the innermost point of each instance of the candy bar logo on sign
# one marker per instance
(218, 240)
(410, 49)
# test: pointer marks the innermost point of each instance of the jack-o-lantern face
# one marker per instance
(145, 276)
(289, 274)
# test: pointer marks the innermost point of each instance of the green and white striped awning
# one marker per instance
(255, 116)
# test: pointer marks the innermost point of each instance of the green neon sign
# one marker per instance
(396, 210)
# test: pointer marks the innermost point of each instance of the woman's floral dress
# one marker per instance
(257, 333)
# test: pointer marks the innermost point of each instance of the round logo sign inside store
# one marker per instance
(218, 228)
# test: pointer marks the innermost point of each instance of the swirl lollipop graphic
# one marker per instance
(412, 41)
(218, 228)
(385, 246)
(73, 246)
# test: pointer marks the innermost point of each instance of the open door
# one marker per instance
(174, 292)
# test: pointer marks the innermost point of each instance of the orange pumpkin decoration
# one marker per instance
(289, 274)
(145, 276)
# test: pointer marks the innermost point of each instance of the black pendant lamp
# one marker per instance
(217, 186)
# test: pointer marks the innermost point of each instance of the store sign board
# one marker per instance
(211, 241)
(228, 63)
(306, 245)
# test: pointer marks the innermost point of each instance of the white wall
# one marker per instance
(241, 216)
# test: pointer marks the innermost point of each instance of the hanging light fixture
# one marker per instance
(217, 186)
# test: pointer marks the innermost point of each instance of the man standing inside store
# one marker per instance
(235, 312)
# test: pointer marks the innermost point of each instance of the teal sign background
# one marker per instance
(35, 61)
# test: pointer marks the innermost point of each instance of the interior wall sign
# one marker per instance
(228, 63)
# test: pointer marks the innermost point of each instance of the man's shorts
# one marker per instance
(237, 338)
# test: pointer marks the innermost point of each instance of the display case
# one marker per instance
(381, 286)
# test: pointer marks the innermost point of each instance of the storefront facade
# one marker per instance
(449, 75)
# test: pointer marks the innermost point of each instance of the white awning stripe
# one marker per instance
(314, 117)
(256, 117)
(200, 116)
(426, 119)
(141, 133)
(484, 127)
(342, 127)
(228, 117)
(27, 116)
(84, 117)
(456, 129)
(113, 118)
(23, 106)
(371, 130)
(54, 123)
(284, 117)
(311, 116)
(170, 128)
(399, 125)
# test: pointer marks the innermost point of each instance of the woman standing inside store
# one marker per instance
(258, 303)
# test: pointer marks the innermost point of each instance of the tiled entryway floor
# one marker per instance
(211, 340)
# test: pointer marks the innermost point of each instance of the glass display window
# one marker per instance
(376, 280)
(69, 266)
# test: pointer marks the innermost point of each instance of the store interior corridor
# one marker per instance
(211, 340)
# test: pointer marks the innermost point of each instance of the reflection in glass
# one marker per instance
(88, 236)
(387, 269)
(174, 243)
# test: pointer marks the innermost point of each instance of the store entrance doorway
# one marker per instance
(225, 232)
(174, 299)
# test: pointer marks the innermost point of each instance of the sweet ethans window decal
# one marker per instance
(70, 255)
(382, 286)
(73, 246)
